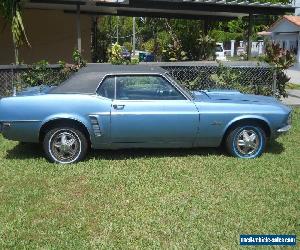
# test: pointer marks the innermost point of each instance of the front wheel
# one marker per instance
(65, 145)
(247, 141)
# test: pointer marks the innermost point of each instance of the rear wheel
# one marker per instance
(65, 145)
(247, 141)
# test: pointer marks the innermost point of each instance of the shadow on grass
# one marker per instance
(24, 151)
(275, 147)
(33, 151)
(123, 154)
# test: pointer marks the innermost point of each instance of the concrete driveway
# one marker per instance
(294, 74)
(293, 99)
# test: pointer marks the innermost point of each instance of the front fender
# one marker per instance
(244, 117)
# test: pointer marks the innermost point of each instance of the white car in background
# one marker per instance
(220, 52)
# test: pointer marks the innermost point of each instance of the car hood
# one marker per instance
(233, 96)
(38, 90)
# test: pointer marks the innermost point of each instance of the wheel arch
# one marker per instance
(64, 121)
(262, 122)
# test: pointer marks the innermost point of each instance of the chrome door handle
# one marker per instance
(118, 107)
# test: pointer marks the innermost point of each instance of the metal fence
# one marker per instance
(8, 75)
(197, 75)
(202, 76)
(11, 80)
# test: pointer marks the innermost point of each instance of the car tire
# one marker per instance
(247, 141)
(65, 145)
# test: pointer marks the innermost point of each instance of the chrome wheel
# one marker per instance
(65, 146)
(247, 142)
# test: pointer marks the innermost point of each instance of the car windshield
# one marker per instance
(181, 86)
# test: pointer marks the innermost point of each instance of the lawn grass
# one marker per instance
(178, 199)
(293, 86)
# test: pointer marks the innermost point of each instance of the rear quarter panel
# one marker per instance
(27, 114)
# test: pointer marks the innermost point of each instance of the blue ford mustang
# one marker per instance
(112, 107)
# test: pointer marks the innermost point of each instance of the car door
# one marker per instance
(148, 109)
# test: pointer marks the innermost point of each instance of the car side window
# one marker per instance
(146, 88)
(107, 88)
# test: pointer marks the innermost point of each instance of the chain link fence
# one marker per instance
(8, 75)
(11, 77)
(196, 75)
(204, 77)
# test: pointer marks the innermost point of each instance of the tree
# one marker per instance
(10, 10)
(107, 31)
(188, 32)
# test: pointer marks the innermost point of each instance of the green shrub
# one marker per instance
(134, 61)
(41, 72)
(115, 55)
(174, 53)
(223, 36)
(227, 78)
(128, 46)
(78, 60)
(149, 46)
(280, 59)
(206, 48)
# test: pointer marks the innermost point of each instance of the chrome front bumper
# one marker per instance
(284, 129)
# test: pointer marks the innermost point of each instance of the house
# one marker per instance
(286, 32)
(52, 35)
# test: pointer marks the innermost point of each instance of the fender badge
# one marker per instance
(216, 123)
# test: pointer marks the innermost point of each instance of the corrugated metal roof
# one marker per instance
(169, 8)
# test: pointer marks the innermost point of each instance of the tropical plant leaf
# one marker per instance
(10, 10)
(23, 36)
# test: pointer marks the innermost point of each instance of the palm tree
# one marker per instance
(10, 10)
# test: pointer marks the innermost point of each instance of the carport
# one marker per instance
(185, 9)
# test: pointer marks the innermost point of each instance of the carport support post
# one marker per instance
(298, 52)
(78, 28)
(133, 35)
(232, 48)
(250, 23)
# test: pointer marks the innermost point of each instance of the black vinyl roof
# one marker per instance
(87, 80)
(120, 69)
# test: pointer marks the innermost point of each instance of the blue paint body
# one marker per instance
(200, 121)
